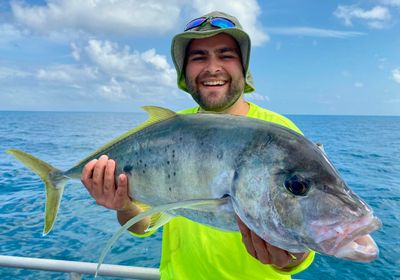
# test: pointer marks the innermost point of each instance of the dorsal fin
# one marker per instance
(156, 114)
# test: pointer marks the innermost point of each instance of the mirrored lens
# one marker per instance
(195, 23)
(222, 22)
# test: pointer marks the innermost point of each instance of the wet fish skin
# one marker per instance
(204, 156)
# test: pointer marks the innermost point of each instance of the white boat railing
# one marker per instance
(76, 269)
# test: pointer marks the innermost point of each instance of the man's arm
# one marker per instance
(98, 176)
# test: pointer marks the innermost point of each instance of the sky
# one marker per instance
(307, 57)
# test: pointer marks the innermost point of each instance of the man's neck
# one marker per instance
(240, 108)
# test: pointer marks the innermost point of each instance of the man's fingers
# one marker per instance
(121, 195)
(261, 249)
(109, 180)
(98, 177)
(246, 237)
(87, 174)
(279, 257)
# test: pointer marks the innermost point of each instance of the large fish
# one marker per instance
(209, 167)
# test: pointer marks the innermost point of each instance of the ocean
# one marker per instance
(365, 150)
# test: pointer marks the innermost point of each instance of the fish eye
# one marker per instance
(297, 186)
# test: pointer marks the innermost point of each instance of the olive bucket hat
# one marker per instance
(206, 26)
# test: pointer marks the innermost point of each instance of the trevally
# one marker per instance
(211, 167)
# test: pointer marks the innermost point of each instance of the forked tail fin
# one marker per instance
(54, 180)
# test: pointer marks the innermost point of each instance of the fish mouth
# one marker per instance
(361, 249)
(352, 241)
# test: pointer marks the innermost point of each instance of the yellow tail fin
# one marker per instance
(54, 181)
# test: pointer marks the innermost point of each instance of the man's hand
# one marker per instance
(99, 179)
(267, 253)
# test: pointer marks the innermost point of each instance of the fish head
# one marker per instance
(313, 206)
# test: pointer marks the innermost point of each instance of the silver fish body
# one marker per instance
(253, 166)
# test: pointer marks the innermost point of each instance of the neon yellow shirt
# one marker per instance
(194, 251)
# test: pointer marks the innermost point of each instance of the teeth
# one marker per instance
(214, 83)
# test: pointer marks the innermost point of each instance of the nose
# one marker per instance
(213, 66)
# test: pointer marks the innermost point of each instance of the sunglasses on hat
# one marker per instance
(219, 22)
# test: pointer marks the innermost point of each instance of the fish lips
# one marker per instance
(361, 249)
(351, 241)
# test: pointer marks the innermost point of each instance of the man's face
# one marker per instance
(214, 72)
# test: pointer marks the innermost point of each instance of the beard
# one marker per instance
(235, 90)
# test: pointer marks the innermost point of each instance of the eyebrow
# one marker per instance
(197, 52)
(224, 50)
(219, 51)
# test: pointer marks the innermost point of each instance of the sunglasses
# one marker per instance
(219, 22)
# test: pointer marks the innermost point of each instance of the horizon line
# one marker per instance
(286, 114)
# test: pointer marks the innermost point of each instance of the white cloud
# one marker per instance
(67, 74)
(115, 73)
(313, 32)
(377, 17)
(390, 2)
(9, 33)
(7, 73)
(358, 85)
(147, 68)
(128, 17)
(247, 12)
(76, 51)
(396, 75)
(112, 91)
(255, 96)
(377, 24)
(70, 18)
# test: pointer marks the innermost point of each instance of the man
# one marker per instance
(211, 58)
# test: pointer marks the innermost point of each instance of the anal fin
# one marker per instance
(160, 221)
(193, 203)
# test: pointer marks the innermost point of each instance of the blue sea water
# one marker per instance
(366, 151)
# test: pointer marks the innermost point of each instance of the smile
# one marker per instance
(213, 83)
